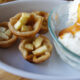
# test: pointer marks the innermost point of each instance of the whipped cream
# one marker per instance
(72, 18)
(72, 42)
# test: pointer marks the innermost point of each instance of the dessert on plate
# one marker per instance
(6, 37)
(36, 50)
(25, 24)
(27, 27)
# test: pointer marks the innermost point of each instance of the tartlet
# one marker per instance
(36, 50)
(6, 37)
(28, 26)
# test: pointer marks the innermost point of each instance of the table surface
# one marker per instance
(7, 76)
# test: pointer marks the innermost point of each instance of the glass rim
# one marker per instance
(55, 38)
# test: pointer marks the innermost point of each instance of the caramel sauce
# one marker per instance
(74, 28)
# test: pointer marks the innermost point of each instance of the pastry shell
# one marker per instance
(11, 41)
(31, 57)
(32, 33)
(44, 27)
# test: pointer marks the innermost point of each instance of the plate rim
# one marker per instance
(30, 75)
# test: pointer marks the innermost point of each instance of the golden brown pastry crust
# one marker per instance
(34, 58)
(3, 1)
(7, 43)
(44, 27)
(14, 19)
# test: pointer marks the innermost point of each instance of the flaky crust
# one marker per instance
(3, 1)
(14, 19)
(31, 57)
(44, 28)
(11, 41)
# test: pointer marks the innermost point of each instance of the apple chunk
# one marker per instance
(24, 18)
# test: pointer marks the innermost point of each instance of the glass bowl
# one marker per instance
(58, 20)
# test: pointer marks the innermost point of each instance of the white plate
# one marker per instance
(11, 59)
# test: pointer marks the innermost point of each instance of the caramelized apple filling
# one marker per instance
(5, 34)
(6, 37)
(44, 15)
(25, 24)
(37, 50)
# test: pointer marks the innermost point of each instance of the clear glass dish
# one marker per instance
(57, 21)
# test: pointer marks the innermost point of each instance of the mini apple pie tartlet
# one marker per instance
(44, 26)
(6, 37)
(36, 50)
(25, 24)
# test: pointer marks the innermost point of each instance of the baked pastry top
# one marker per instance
(44, 26)
(36, 50)
(25, 24)
(6, 37)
